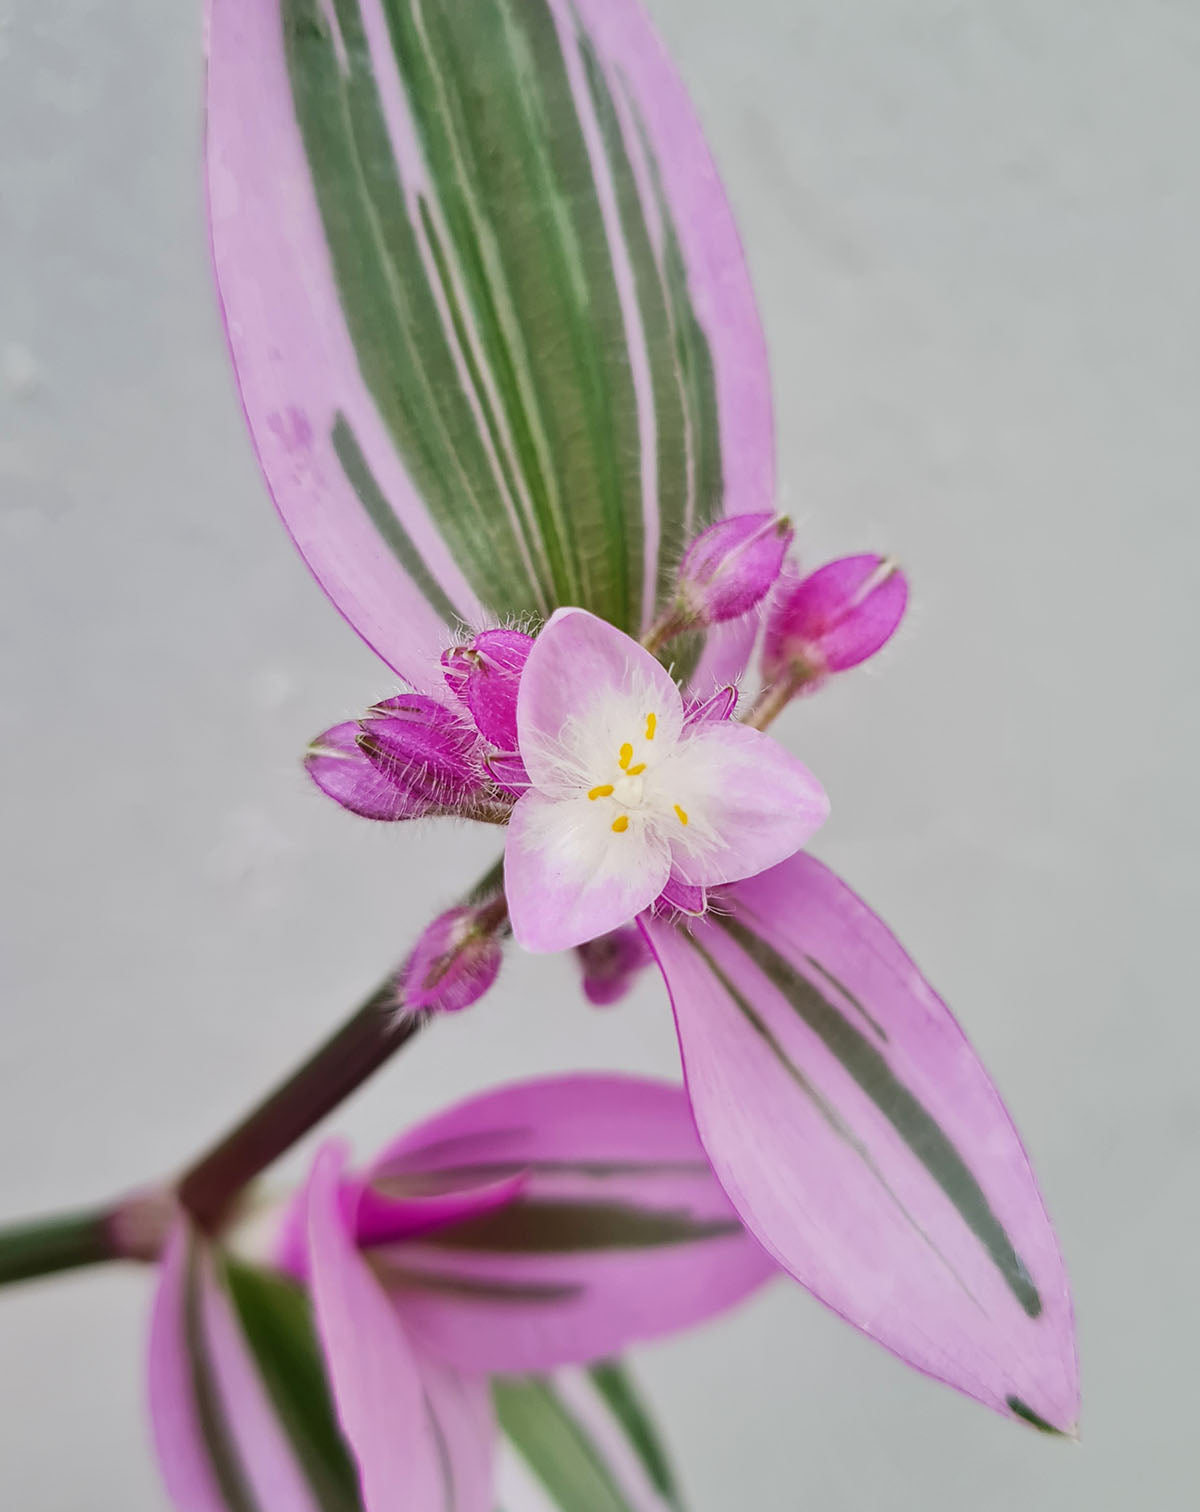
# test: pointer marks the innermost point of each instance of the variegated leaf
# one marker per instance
(488, 311)
(583, 1442)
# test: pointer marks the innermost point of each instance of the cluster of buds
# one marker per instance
(827, 622)
(414, 756)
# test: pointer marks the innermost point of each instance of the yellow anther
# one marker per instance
(620, 824)
(605, 790)
(625, 756)
(682, 814)
(651, 725)
(636, 771)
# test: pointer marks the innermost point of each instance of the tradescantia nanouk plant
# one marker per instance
(499, 356)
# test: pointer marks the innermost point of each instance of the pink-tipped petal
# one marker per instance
(372, 1366)
(861, 1140)
(559, 893)
(620, 1233)
(752, 804)
(578, 685)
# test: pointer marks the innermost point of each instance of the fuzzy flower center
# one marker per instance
(628, 789)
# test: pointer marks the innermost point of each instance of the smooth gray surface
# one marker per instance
(974, 229)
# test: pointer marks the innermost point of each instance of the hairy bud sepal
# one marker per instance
(454, 962)
(833, 619)
(730, 568)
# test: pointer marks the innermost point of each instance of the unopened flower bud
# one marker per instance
(835, 618)
(486, 675)
(454, 963)
(731, 566)
(425, 750)
(611, 964)
(340, 768)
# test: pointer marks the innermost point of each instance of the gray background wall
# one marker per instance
(973, 229)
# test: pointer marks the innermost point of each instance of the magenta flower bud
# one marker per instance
(425, 750)
(611, 964)
(731, 566)
(486, 675)
(835, 618)
(454, 963)
(342, 771)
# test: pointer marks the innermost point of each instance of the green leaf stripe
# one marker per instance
(555, 1446)
(529, 1226)
(616, 1386)
(484, 305)
(920, 1131)
(386, 520)
(276, 1320)
(211, 1418)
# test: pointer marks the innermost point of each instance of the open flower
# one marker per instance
(625, 795)
(464, 440)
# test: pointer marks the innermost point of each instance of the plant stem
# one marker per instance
(367, 1039)
(136, 1227)
(65, 1242)
(670, 623)
(378, 1029)
(773, 700)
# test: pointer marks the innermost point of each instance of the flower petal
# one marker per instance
(752, 804)
(620, 1233)
(568, 878)
(372, 1366)
(586, 690)
(862, 1141)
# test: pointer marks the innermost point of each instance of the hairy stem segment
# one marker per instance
(775, 698)
(371, 1036)
(208, 1189)
(136, 1227)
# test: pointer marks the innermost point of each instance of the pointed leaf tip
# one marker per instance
(861, 1140)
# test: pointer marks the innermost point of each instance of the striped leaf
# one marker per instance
(487, 307)
(584, 1442)
(241, 1413)
(860, 1139)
